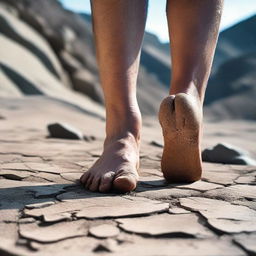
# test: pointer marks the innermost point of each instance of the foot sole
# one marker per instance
(180, 116)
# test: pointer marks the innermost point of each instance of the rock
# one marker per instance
(222, 215)
(82, 245)
(55, 212)
(46, 176)
(217, 209)
(51, 218)
(24, 43)
(178, 246)
(92, 206)
(68, 36)
(15, 194)
(245, 202)
(54, 40)
(108, 245)
(70, 63)
(85, 82)
(64, 131)
(247, 179)
(54, 232)
(15, 175)
(78, 195)
(247, 242)
(223, 178)
(45, 191)
(35, 21)
(45, 167)
(25, 36)
(9, 240)
(163, 224)
(26, 220)
(114, 207)
(71, 176)
(165, 193)
(7, 215)
(39, 205)
(153, 181)
(104, 231)
(234, 192)
(233, 226)
(24, 148)
(70, 32)
(178, 210)
(15, 166)
(200, 186)
(227, 154)
(34, 246)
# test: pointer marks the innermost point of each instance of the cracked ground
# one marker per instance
(45, 211)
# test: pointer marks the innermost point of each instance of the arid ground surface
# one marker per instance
(45, 211)
(48, 52)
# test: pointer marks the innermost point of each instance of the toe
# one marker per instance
(125, 182)
(84, 177)
(87, 184)
(95, 184)
(106, 182)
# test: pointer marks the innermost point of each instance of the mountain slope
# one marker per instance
(235, 41)
(59, 44)
(70, 36)
(233, 89)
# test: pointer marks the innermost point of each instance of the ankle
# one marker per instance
(189, 88)
(122, 126)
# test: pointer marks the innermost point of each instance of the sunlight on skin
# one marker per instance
(118, 29)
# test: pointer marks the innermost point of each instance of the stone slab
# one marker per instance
(104, 230)
(247, 241)
(163, 224)
(54, 232)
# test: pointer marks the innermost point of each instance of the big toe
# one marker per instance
(125, 182)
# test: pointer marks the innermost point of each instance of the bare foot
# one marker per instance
(180, 116)
(116, 168)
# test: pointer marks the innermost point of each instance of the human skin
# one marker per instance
(193, 31)
(118, 27)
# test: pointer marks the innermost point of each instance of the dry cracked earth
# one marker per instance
(45, 211)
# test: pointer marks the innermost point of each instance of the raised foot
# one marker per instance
(116, 168)
(180, 116)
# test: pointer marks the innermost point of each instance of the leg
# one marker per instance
(118, 27)
(193, 30)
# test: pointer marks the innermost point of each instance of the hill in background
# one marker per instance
(50, 51)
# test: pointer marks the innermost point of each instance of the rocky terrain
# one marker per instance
(59, 46)
(231, 89)
(52, 130)
(45, 211)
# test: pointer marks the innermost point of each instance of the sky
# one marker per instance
(234, 11)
